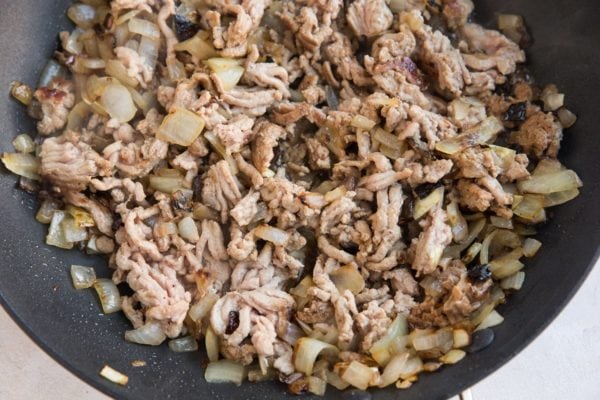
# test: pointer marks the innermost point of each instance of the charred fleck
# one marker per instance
(480, 273)
(184, 28)
(233, 321)
(516, 112)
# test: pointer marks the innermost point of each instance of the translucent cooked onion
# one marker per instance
(531, 247)
(271, 234)
(92, 63)
(24, 144)
(359, 375)
(348, 278)
(566, 118)
(148, 51)
(117, 69)
(228, 70)
(306, 352)
(493, 318)
(559, 181)
(83, 15)
(334, 380)
(22, 164)
(188, 229)
(475, 229)
(114, 376)
(225, 371)
(72, 231)
(459, 226)
(82, 277)
(46, 211)
(202, 308)
(51, 71)
(394, 369)
(558, 198)
(460, 338)
(316, 385)
(183, 344)
(362, 122)
(118, 103)
(211, 341)
(513, 282)
(423, 206)
(109, 296)
(483, 133)
(148, 334)
(485, 247)
(167, 185)
(56, 234)
(144, 28)
(507, 265)
(442, 339)
(531, 208)
(390, 141)
(181, 127)
(381, 350)
(21, 92)
(453, 356)
(200, 49)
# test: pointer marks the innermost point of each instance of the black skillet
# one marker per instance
(34, 282)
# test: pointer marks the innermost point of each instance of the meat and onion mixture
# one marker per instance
(324, 191)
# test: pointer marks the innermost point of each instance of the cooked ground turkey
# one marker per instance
(309, 168)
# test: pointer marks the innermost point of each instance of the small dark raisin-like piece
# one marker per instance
(480, 340)
(184, 28)
(480, 273)
(233, 321)
(516, 112)
(197, 188)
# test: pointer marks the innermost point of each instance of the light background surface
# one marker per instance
(562, 364)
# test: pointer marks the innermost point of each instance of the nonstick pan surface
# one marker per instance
(35, 285)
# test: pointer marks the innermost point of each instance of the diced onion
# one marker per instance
(474, 230)
(73, 232)
(56, 234)
(554, 101)
(52, 70)
(480, 134)
(148, 334)
(199, 48)
(394, 369)
(144, 28)
(202, 308)
(507, 265)
(411, 367)
(513, 282)
(485, 247)
(358, 375)
(114, 376)
(167, 185)
(389, 140)
(188, 229)
(181, 127)
(334, 380)
(558, 198)
(21, 92)
(271, 234)
(531, 247)
(46, 211)
(442, 339)
(461, 338)
(381, 350)
(501, 222)
(78, 116)
(81, 217)
(109, 296)
(348, 278)
(228, 70)
(316, 385)
(335, 194)
(531, 208)
(117, 69)
(92, 63)
(22, 164)
(566, 118)
(83, 277)
(459, 226)
(225, 371)
(148, 51)
(211, 341)
(361, 122)
(83, 15)
(24, 144)
(306, 352)
(423, 206)
(118, 103)
(183, 344)
(453, 356)
(547, 166)
(494, 318)
(559, 181)
(219, 148)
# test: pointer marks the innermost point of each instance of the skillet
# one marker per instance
(35, 286)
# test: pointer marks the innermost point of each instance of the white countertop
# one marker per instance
(562, 364)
